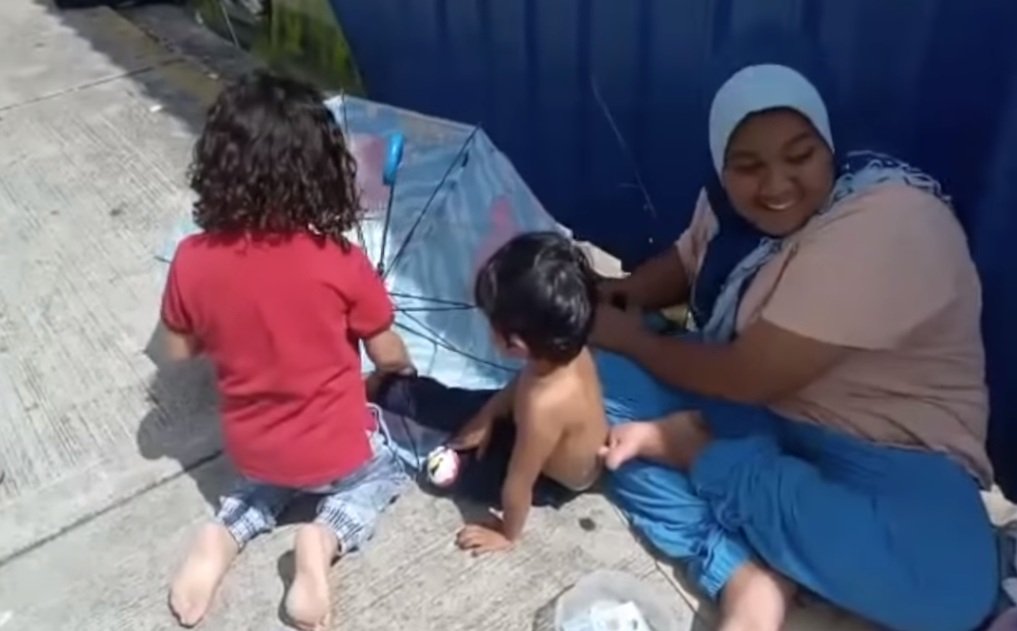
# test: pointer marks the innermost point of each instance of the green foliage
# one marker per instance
(300, 38)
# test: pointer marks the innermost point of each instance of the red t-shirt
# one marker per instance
(281, 319)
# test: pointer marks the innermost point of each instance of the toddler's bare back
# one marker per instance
(571, 399)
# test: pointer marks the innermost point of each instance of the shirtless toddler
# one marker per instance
(539, 294)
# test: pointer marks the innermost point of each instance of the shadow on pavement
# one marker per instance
(183, 88)
(183, 423)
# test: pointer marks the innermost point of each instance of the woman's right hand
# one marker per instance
(476, 434)
(616, 291)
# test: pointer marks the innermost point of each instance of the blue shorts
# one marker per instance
(349, 507)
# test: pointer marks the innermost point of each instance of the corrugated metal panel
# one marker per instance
(933, 81)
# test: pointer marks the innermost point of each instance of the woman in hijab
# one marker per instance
(824, 429)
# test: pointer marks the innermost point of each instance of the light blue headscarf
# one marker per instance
(765, 87)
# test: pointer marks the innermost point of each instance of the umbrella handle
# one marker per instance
(396, 143)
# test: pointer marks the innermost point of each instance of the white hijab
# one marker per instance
(764, 87)
(759, 88)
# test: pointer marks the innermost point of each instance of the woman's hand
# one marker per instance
(616, 330)
(658, 283)
(616, 292)
(476, 434)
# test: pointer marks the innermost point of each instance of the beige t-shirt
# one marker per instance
(887, 273)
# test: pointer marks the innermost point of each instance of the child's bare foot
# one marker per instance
(195, 584)
(308, 605)
(676, 440)
(632, 440)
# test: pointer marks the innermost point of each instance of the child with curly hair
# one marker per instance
(280, 301)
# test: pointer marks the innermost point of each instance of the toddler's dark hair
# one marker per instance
(540, 288)
(272, 159)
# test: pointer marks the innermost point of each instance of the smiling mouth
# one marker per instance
(779, 207)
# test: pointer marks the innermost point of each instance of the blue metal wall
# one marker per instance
(933, 81)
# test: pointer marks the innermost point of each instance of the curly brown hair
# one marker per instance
(272, 159)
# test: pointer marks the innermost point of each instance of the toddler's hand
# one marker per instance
(481, 539)
(476, 434)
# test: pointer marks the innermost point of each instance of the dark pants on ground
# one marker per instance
(439, 407)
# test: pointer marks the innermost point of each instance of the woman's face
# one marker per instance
(778, 172)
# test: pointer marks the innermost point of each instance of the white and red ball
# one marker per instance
(443, 466)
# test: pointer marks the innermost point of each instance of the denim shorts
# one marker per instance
(349, 506)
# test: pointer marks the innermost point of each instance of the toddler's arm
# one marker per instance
(477, 429)
(500, 405)
(537, 435)
(476, 433)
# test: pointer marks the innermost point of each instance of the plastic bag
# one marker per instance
(608, 600)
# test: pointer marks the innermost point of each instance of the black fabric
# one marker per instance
(435, 405)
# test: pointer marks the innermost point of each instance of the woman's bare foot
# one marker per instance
(308, 603)
(195, 584)
(755, 599)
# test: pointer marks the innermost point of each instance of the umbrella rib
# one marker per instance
(436, 338)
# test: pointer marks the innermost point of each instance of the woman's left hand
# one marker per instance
(615, 330)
